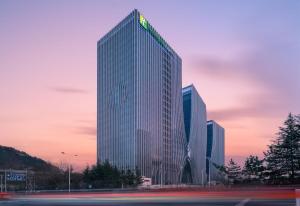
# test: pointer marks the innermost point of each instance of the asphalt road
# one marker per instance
(179, 198)
(146, 202)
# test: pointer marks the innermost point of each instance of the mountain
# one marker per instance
(11, 158)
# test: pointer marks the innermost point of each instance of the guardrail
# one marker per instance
(4, 195)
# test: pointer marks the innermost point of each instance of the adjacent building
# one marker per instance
(215, 150)
(139, 102)
(194, 110)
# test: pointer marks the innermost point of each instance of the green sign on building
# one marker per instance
(150, 29)
(143, 22)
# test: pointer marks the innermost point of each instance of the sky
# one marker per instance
(243, 57)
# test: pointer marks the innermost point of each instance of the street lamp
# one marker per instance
(209, 168)
(69, 168)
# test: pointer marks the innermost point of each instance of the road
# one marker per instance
(147, 202)
(179, 198)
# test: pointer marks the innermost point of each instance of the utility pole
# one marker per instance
(69, 177)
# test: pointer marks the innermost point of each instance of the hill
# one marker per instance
(11, 158)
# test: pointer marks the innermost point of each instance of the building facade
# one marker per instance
(196, 135)
(215, 150)
(139, 102)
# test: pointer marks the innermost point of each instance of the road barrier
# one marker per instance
(4, 195)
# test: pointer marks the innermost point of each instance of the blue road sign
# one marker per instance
(13, 176)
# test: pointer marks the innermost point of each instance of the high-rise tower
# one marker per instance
(139, 101)
(196, 135)
(215, 150)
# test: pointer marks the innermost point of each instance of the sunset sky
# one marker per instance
(242, 56)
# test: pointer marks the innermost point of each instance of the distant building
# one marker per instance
(215, 150)
(139, 102)
(196, 135)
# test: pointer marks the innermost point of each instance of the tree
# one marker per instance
(138, 177)
(107, 176)
(253, 169)
(282, 156)
(222, 172)
(273, 173)
(233, 172)
(298, 150)
(130, 178)
(86, 174)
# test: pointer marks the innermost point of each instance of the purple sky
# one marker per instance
(242, 56)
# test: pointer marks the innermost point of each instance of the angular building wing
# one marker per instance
(139, 102)
(195, 128)
(215, 150)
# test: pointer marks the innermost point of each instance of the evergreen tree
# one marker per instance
(282, 157)
(123, 179)
(253, 169)
(86, 174)
(273, 173)
(130, 177)
(298, 148)
(222, 172)
(107, 176)
(233, 172)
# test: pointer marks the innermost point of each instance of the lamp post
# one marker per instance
(69, 168)
(1, 183)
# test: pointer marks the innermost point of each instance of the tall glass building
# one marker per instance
(196, 135)
(215, 150)
(139, 102)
